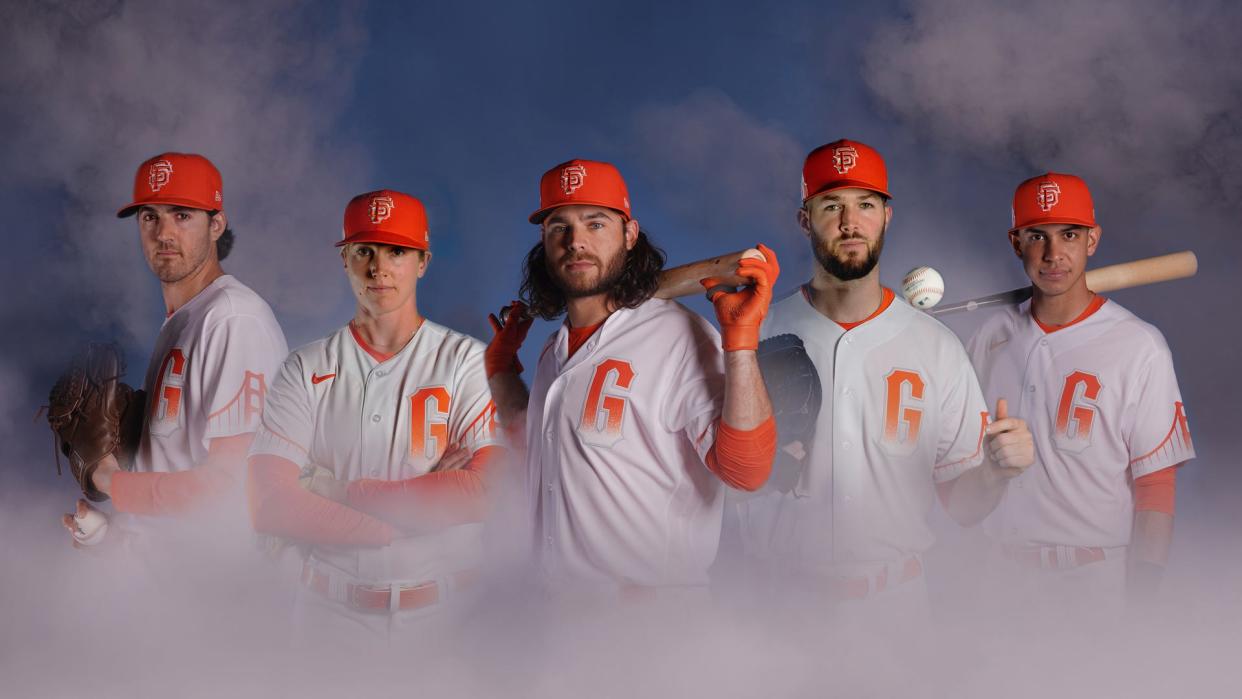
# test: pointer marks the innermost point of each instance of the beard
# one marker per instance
(849, 268)
(576, 287)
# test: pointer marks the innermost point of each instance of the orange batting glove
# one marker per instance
(741, 312)
(501, 354)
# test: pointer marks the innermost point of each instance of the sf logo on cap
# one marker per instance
(844, 158)
(381, 209)
(159, 174)
(572, 177)
(1049, 195)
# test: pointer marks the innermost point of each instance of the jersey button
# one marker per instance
(1031, 388)
(846, 392)
(375, 472)
(375, 418)
(846, 446)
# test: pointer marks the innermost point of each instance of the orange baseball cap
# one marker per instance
(386, 216)
(582, 182)
(177, 179)
(841, 165)
(1052, 197)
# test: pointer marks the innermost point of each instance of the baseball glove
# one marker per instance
(92, 414)
(795, 391)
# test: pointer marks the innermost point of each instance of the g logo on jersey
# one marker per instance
(1076, 411)
(1048, 196)
(844, 158)
(381, 208)
(572, 177)
(166, 398)
(159, 174)
(903, 390)
(603, 413)
(429, 413)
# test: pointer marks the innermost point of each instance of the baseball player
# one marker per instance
(208, 375)
(636, 419)
(902, 419)
(1098, 387)
(392, 417)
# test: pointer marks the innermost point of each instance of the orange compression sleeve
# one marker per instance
(431, 501)
(743, 458)
(173, 493)
(1156, 492)
(281, 507)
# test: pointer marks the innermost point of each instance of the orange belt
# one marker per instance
(864, 586)
(386, 598)
(1055, 557)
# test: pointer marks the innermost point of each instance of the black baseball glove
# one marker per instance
(795, 391)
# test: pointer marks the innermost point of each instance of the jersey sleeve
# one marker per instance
(239, 355)
(964, 417)
(472, 421)
(1157, 432)
(288, 419)
(693, 404)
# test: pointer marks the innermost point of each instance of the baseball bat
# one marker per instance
(1125, 275)
(683, 280)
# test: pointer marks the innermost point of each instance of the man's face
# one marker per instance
(1055, 255)
(384, 278)
(178, 241)
(585, 247)
(846, 228)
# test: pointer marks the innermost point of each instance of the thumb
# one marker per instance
(1002, 408)
(83, 508)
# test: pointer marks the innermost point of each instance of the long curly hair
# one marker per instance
(638, 282)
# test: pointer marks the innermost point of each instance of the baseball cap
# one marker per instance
(582, 182)
(1052, 197)
(841, 165)
(177, 179)
(388, 217)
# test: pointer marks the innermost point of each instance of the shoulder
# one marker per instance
(229, 301)
(314, 352)
(674, 323)
(998, 324)
(1137, 334)
(446, 340)
(925, 325)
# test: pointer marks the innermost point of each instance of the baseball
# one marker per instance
(92, 526)
(752, 252)
(923, 287)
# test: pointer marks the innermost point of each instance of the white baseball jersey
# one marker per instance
(335, 405)
(901, 411)
(617, 435)
(208, 375)
(1101, 399)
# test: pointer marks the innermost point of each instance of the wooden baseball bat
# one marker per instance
(1125, 275)
(683, 280)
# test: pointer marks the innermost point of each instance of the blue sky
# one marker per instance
(707, 108)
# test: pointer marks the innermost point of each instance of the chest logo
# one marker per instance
(167, 397)
(320, 378)
(1076, 411)
(903, 415)
(603, 412)
(429, 416)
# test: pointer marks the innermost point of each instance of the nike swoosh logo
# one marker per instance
(998, 343)
(320, 379)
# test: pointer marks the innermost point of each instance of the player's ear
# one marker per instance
(424, 259)
(888, 213)
(1093, 239)
(804, 221)
(217, 224)
(631, 233)
(1015, 239)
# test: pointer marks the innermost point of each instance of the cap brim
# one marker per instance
(541, 214)
(1055, 220)
(383, 238)
(170, 201)
(848, 184)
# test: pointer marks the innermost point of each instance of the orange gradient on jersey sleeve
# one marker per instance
(429, 411)
(1083, 415)
(168, 387)
(597, 401)
(895, 414)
